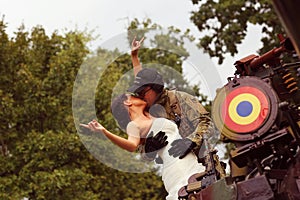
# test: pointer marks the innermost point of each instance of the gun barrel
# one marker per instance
(265, 58)
(286, 45)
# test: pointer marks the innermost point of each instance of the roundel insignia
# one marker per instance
(244, 109)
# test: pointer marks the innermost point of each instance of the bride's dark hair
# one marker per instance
(119, 111)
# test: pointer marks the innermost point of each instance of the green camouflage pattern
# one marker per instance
(195, 120)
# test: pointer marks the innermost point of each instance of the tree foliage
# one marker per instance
(42, 156)
(225, 24)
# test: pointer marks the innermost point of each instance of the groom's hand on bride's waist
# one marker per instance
(156, 142)
(181, 147)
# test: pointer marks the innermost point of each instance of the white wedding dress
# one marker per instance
(175, 172)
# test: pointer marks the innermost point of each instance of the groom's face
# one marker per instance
(148, 95)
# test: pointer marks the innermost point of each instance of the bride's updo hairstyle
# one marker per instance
(119, 111)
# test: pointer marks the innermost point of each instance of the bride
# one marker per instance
(130, 112)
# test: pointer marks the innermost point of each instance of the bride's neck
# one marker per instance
(139, 114)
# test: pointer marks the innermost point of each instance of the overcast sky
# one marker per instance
(109, 18)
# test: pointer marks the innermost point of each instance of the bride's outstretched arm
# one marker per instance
(129, 144)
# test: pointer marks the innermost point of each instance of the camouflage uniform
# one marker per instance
(194, 118)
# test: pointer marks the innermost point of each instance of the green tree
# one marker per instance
(225, 24)
(42, 156)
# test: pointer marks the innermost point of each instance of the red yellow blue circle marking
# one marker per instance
(245, 109)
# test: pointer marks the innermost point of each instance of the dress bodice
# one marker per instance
(175, 172)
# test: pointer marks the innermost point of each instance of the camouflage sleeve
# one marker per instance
(195, 118)
(205, 125)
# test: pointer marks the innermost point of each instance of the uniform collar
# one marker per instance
(162, 99)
